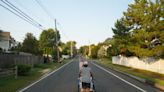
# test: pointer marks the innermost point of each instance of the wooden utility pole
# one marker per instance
(71, 52)
(57, 50)
(89, 53)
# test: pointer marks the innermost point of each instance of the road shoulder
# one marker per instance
(132, 76)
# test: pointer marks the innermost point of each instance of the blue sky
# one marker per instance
(81, 20)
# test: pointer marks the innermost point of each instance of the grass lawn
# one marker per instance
(148, 75)
(10, 84)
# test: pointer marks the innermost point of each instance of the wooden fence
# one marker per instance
(7, 60)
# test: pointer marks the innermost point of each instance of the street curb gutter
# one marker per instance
(138, 79)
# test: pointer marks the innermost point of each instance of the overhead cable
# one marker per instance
(44, 9)
(19, 16)
(16, 11)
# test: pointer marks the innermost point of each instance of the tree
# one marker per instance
(48, 40)
(30, 44)
(145, 18)
(17, 48)
(102, 52)
(69, 48)
(84, 50)
(94, 51)
(121, 38)
(121, 29)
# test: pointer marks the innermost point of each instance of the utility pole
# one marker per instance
(57, 50)
(71, 50)
(89, 54)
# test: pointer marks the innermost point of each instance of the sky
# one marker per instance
(83, 21)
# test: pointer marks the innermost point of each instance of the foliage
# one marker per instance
(136, 31)
(140, 25)
(112, 51)
(120, 28)
(68, 46)
(48, 40)
(24, 70)
(17, 48)
(102, 52)
(94, 51)
(84, 50)
(30, 44)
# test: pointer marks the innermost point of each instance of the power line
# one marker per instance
(26, 9)
(49, 14)
(20, 12)
(64, 33)
(19, 16)
(44, 9)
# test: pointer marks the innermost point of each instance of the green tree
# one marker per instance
(70, 45)
(94, 51)
(121, 38)
(48, 40)
(84, 50)
(17, 48)
(121, 29)
(146, 17)
(30, 44)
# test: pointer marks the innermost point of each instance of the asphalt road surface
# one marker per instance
(105, 80)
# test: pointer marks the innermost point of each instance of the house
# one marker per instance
(6, 41)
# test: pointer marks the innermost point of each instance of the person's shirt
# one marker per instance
(85, 74)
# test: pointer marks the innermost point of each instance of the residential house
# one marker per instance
(6, 41)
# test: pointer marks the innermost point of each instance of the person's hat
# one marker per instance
(85, 63)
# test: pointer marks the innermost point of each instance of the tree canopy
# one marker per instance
(139, 32)
(141, 24)
(48, 40)
(30, 44)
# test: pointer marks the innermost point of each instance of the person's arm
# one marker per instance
(91, 74)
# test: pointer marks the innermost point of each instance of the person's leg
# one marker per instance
(84, 85)
(87, 90)
(88, 87)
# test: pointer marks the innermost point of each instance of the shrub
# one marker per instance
(42, 66)
(24, 70)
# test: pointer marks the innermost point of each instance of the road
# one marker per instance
(106, 80)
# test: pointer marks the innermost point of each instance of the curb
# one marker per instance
(139, 79)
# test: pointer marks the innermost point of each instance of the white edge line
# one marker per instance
(44, 77)
(120, 78)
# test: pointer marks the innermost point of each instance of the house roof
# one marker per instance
(5, 36)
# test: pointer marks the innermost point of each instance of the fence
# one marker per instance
(151, 64)
(7, 60)
(8, 71)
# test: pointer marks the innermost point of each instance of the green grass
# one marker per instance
(10, 84)
(148, 75)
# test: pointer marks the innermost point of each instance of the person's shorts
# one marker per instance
(85, 85)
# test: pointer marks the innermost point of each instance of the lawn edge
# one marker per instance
(134, 77)
(43, 76)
